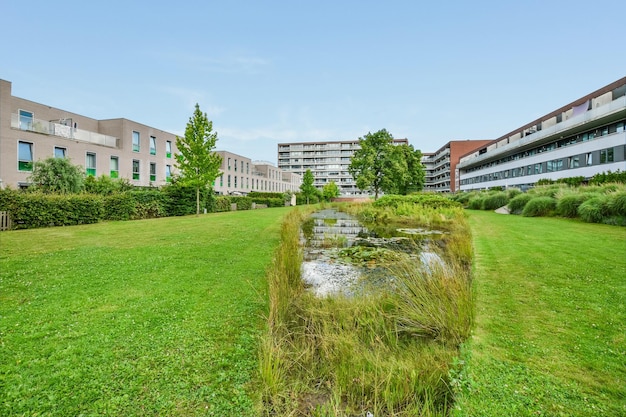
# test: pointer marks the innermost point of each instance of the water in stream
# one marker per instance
(329, 232)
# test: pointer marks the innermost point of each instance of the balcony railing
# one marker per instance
(68, 132)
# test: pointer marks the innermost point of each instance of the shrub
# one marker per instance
(119, 206)
(513, 192)
(222, 203)
(567, 205)
(539, 206)
(429, 200)
(243, 203)
(617, 203)
(495, 201)
(594, 210)
(43, 210)
(475, 203)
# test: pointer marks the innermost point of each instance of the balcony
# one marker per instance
(59, 130)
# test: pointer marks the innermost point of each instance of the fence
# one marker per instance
(5, 221)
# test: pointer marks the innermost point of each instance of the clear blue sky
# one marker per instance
(277, 71)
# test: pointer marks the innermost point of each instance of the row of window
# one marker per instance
(255, 184)
(609, 129)
(25, 162)
(604, 156)
(235, 166)
(153, 144)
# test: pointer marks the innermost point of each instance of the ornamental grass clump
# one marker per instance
(494, 201)
(517, 203)
(567, 204)
(539, 207)
(595, 209)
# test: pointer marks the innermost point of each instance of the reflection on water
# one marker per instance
(328, 231)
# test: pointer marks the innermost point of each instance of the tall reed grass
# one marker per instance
(388, 352)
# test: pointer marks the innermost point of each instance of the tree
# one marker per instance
(196, 161)
(371, 165)
(330, 190)
(57, 175)
(307, 187)
(407, 171)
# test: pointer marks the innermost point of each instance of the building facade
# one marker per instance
(328, 161)
(580, 139)
(241, 175)
(119, 148)
(440, 166)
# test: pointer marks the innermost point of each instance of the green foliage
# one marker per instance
(617, 203)
(180, 198)
(198, 164)
(429, 200)
(606, 177)
(36, 209)
(269, 202)
(243, 203)
(57, 175)
(539, 206)
(149, 204)
(513, 192)
(595, 209)
(517, 203)
(330, 191)
(406, 171)
(567, 204)
(119, 206)
(222, 203)
(371, 165)
(259, 194)
(476, 202)
(494, 201)
(105, 185)
(307, 188)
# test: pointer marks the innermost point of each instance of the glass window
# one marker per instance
(59, 152)
(222, 180)
(114, 167)
(589, 158)
(606, 155)
(573, 162)
(241, 166)
(135, 169)
(229, 165)
(136, 142)
(235, 167)
(235, 179)
(168, 149)
(26, 120)
(168, 173)
(152, 171)
(152, 145)
(25, 156)
(229, 181)
(90, 164)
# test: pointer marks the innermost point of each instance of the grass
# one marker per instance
(381, 352)
(550, 335)
(144, 318)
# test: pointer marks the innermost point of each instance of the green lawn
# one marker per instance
(550, 336)
(143, 318)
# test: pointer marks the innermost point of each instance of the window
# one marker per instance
(229, 165)
(26, 120)
(235, 167)
(247, 168)
(135, 169)
(235, 180)
(222, 180)
(25, 156)
(59, 152)
(168, 149)
(573, 162)
(114, 167)
(152, 171)
(538, 169)
(242, 166)
(589, 158)
(229, 181)
(168, 173)
(136, 142)
(607, 155)
(152, 145)
(90, 164)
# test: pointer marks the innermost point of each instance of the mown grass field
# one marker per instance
(550, 335)
(143, 318)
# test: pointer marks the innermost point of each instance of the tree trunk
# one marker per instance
(197, 201)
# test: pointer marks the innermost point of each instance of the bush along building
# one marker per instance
(581, 139)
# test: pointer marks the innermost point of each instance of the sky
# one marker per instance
(268, 72)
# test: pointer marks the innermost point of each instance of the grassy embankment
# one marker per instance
(550, 335)
(389, 352)
(151, 318)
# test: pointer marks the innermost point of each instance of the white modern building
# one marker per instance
(241, 175)
(328, 161)
(580, 139)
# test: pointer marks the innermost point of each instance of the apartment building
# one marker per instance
(241, 175)
(328, 161)
(440, 166)
(119, 148)
(580, 139)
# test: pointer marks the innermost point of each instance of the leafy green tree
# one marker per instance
(105, 185)
(307, 188)
(57, 175)
(197, 163)
(407, 171)
(330, 190)
(371, 165)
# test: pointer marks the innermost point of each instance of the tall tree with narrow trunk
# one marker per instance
(196, 161)
(307, 188)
